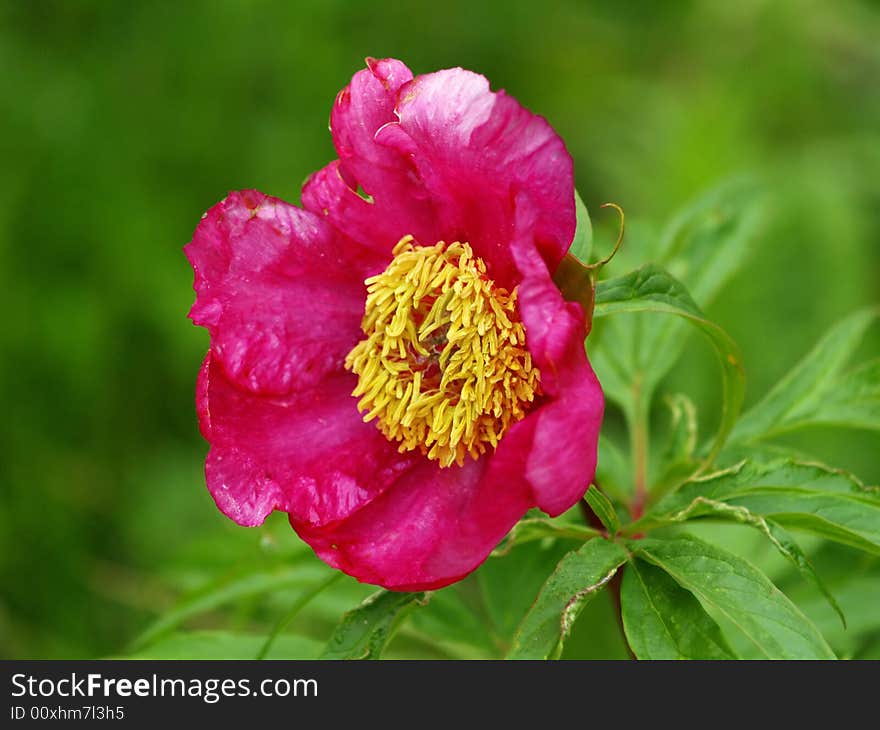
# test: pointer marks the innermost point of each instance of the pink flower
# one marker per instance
(467, 362)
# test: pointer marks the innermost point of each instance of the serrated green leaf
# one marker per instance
(662, 620)
(650, 289)
(364, 631)
(582, 244)
(809, 497)
(577, 578)
(603, 509)
(740, 592)
(786, 545)
(226, 645)
(815, 392)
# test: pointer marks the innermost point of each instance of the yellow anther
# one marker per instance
(443, 368)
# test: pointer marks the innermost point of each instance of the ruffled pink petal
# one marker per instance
(281, 292)
(308, 453)
(380, 222)
(476, 152)
(442, 157)
(398, 203)
(433, 526)
(361, 108)
(561, 462)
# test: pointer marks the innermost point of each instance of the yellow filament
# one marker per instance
(444, 367)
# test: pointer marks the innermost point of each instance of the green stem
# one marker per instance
(298, 605)
(639, 445)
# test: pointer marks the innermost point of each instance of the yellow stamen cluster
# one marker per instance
(444, 367)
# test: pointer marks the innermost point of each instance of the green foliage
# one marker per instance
(703, 246)
(578, 577)
(603, 509)
(542, 528)
(224, 592)
(227, 645)
(808, 497)
(741, 593)
(854, 580)
(778, 537)
(363, 632)
(650, 289)
(818, 391)
(665, 621)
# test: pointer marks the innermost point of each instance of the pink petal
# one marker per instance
(443, 158)
(562, 458)
(308, 453)
(360, 109)
(380, 223)
(280, 292)
(476, 152)
(433, 526)
(399, 204)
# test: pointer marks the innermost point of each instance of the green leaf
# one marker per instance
(778, 537)
(453, 624)
(582, 245)
(226, 591)
(509, 584)
(682, 441)
(364, 631)
(650, 289)
(816, 391)
(542, 528)
(603, 509)
(854, 401)
(855, 580)
(810, 497)
(294, 610)
(664, 621)
(741, 593)
(577, 578)
(226, 645)
(703, 246)
(711, 238)
(677, 459)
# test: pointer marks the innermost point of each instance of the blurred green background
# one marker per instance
(121, 122)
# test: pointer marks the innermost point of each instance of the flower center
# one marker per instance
(444, 367)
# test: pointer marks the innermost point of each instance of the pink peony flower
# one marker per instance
(429, 297)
